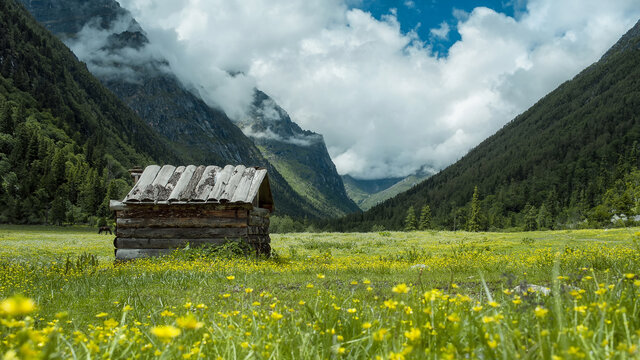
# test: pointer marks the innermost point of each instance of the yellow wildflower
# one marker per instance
(540, 312)
(380, 334)
(189, 322)
(401, 288)
(17, 305)
(165, 332)
(413, 334)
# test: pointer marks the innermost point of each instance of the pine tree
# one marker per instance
(530, 217)
(544, 219)
(425, 218)
(59, 208)
(410, 220)
(473, 224)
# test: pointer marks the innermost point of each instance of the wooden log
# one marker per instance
(257, 230)
(258, 221)
(181, 222)
(260, 212)
(259, 239)
(115, 205)
(179, 233)
(142, 243)
(187, 210)
(130, 254)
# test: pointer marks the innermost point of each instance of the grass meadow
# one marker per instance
(389, 295)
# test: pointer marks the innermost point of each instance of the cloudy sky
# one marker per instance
(392, 85)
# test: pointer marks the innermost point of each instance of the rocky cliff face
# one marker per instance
(114, 46)
(301, 156)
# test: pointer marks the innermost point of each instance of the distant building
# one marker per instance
(170, 207)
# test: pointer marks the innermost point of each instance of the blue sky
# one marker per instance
(424, 15)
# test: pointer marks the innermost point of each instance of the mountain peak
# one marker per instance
(628, 41)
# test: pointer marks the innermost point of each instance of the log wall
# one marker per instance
(151, 230)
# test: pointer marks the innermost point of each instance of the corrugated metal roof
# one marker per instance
(197, 184)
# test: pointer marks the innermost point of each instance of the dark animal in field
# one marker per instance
(105, 229)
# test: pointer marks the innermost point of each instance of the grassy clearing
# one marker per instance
(388, 295)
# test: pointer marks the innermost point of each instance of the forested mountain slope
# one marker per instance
(300, 156)
(552, 165)
(116, 50)
(65, 140)
(369, 193)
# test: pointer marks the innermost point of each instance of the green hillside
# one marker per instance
(65, 141)
(565, 161)
(369, 193)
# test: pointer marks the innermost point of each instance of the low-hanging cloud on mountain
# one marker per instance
(384, 101)
(117, 51)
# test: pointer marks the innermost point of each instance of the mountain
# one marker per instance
(550, 166)
(65, 140)
(368, 193)
(300, 156)
(116, 50)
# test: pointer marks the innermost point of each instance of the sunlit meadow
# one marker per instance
(433, 295)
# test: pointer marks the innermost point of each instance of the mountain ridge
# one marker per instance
(299, 154)
(65, 140)
(200, 132)
(554, 161)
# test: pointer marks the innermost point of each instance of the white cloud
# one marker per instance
(441, 32)
(105, 57)
(268, 134)
(385, 103)
(410, 4)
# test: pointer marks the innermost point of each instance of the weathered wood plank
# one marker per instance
(160, 183)
(115, 205)
(179, 233)
(142, 243)
(146, 179)
(189, 191)
(182, 183)
(130, 254)
(185, 210)
(222, 178)
(206, 183)
(230, 189)
(242, 191)
(255, 184)
(181, 222)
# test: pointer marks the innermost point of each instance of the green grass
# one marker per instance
(335, 293)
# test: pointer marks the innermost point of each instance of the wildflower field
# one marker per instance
(418, 295)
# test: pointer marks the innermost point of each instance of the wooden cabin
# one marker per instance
(170, 207)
